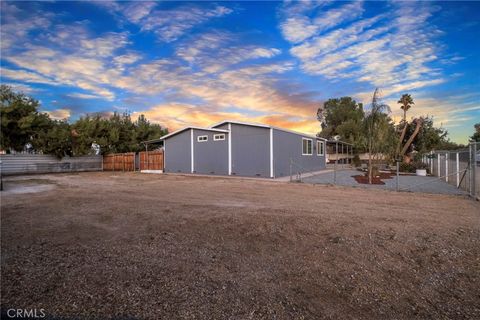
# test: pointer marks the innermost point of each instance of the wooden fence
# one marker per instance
(146, 160)
(151, 160)
(119, 162)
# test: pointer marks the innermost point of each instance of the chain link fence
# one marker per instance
(451, 172)
(460, 168)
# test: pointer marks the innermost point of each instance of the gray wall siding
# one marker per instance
(177, 153)
(250, 150)
(39, 163)
(288, 146)
(210, 157)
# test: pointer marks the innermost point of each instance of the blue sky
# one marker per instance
(183, 63)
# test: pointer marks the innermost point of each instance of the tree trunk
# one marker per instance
(402, 136)
(412, 137)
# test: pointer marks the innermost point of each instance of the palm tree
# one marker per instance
(372, 120)
(406, 102)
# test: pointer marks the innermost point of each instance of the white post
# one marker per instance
(192, 150)
(271, 153)
(431, 162)
(229, 149)
(458, 170)
(446, 166)
(438, 162)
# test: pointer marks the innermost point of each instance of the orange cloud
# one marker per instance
(176, 116)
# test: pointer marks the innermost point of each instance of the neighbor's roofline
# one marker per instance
(196, 128)
(266, 126)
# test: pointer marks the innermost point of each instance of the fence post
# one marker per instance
(474, 167)
(446, 166)
(458, 169)
(431, 162)
(438, 162)
(335, 166)
(398, 174)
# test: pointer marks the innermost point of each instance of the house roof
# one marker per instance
(266, 126)
(186, 128)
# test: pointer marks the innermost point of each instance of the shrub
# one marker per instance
(356, 161)
(420, 165)
(407, 167)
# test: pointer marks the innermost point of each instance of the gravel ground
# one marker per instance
(406, 183)
(139, 246)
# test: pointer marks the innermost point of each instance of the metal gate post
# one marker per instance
(458, 170)
(470, 176)
(438, 162)
(398, 174)
(446, 166)
(431, 163)
(474, 168)
(335, 166)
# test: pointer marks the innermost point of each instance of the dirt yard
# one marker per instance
(138, 246)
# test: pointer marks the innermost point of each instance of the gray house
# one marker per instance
(243, 149)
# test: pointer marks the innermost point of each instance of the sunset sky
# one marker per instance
(196, 63)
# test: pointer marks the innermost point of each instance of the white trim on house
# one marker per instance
(164, 155)
(196, 128)
(203, 138)
(219, 137)
(229, 149)
(271, 153)
(266, 126)
(320, 143)
(311, 147)
(192, 159)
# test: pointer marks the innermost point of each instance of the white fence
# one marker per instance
(38, 163)
(460, 168)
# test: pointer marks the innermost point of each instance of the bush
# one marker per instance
(413, 166)
(356, 161)
(407, 167)
(420, 165)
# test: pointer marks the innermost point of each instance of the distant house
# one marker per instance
(243, 149)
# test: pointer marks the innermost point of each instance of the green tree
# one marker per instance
(19, 119)
(476, 134)
(116, 133)
(56, 140)
(342, 117)
(430, 138)
(144, 130)
(22, 123)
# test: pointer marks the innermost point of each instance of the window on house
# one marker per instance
(320, 148)
(202, 138)
(217, 137)
(307, 147)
